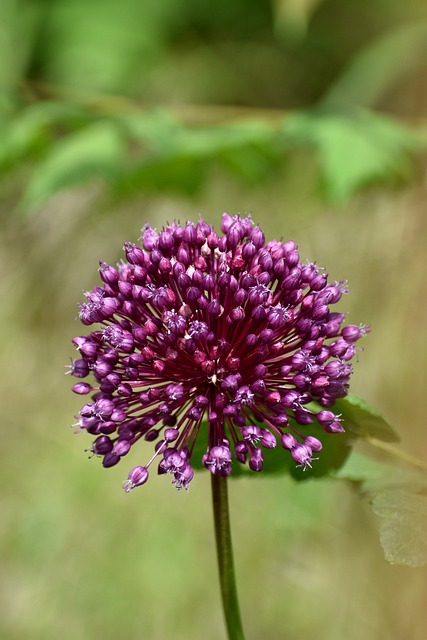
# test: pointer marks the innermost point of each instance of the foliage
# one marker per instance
(354, 149)
(134, 151)
(364, 421)
(394, 490)
(403, 530)
(397, 496)
(360, 421)
(82, 93)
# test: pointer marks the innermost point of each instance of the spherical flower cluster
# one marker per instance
(221, 337)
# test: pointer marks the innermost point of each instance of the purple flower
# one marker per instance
(222, 337)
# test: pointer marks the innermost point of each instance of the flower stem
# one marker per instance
(224, 549)
(397, 453)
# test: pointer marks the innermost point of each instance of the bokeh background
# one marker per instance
(311, 116)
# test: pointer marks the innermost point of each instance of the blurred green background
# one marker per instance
(309, 114)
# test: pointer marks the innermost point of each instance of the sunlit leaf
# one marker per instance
(32, 129)
(395, 491)
(93, 152)
(155, 131)
(171, 155)
(353, 149)
(363, 420)
(403, 528)
(373, 476)
(150, 151)
(160, 132)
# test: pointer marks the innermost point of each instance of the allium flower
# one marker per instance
(224, 338)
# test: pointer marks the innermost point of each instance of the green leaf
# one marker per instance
(373, 476)
(164, 136)
(32, 129)
(396, 493)
(353, 149)
(155, 130)
(359, 419)
(181, 174)
(403, 528)
(95, 151)
(336, 448)
(171, 155)
(363, 420)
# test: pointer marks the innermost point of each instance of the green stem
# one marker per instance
(398, 453)
(224, 549)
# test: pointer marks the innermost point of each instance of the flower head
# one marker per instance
(224, 337)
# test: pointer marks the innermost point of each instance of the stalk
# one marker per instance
(227, 579)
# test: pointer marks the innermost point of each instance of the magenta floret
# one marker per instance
(226, 338)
